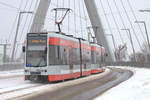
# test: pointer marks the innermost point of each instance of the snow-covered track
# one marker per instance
(35, 88)
(19, 89)
(83, 88)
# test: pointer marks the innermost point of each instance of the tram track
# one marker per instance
(26, 88)
(85, 90)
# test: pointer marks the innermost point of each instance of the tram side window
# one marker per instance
(64, 55)
(98, 57)
(103, 58)
(88, 56)
(52, 55)
(93, 57)
(76, 56)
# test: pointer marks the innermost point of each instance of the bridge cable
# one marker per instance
(135, 17)
(31, 19)
(75, 18)
(13, 27)
(84, 11)
(69, 17)
(131, 24)
(31, 4)
(80, 19)
(106, 17)
(115, 21)
(121, 18)
(26, 4)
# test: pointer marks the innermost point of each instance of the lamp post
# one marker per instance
(17, 30)
(131, 42)
(146, 32)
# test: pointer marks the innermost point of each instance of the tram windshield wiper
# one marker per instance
(43, 58)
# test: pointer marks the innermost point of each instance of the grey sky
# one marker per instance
(7, 17)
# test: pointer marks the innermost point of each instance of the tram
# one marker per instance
(56, 57)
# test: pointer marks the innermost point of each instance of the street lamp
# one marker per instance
(16, 35)
(131, 41)
(146, 32)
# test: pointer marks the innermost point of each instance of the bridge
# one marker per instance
(87, 19)
(119, 26)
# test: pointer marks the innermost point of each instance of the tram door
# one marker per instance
(70, 60)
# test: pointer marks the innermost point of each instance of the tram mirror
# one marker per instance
(23, 49)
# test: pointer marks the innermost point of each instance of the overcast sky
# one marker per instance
(8, 15)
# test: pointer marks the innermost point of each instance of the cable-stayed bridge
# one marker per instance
(72, 49)
(85, 16)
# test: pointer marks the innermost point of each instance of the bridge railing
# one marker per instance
(132, 64)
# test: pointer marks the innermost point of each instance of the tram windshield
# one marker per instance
(36, 52)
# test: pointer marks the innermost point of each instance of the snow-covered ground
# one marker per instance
(16, 83)
(11, 73)
(136, 88)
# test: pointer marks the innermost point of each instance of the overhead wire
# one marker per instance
(75, 13)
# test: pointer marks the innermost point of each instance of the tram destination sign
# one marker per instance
(33, 39)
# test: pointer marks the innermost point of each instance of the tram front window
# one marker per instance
(36, 52)
(36, 56)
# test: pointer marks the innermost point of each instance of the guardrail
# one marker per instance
(134, 64)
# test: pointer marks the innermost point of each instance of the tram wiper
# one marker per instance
(42, 58)
(38, 65)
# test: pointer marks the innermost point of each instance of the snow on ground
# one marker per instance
(136, 88)
(11, 73)
(42, 88)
